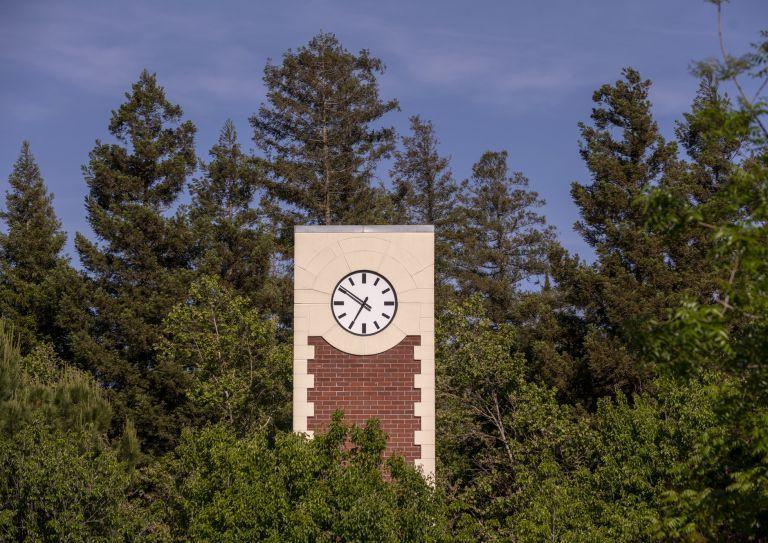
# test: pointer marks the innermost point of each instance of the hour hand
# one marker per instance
(363, 303)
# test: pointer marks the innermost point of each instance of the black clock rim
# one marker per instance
(394, 313)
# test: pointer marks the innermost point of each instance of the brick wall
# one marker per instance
(368, 386)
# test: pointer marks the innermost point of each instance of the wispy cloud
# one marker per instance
(495, 69)
(89, 48)
(26, 111)
(64, 48)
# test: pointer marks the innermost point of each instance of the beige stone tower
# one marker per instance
(364, 333)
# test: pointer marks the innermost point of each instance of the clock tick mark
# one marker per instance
(376, 324)
(389, 303)
(338, 303)
(363, 328)
(351, 281)
(385, 315)
(376, 282)
(341, 316)
(363, 278)
(385, 291)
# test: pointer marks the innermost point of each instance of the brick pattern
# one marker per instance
(368, 386)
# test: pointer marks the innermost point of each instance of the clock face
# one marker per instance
(364, 303)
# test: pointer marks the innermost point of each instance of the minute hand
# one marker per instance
(363, 303)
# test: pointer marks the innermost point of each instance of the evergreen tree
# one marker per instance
(499, 241)
(142, 265)
(425, 191)
(234, 243)
(320, 134)
(30, 253)
(711, 149)
(40, 389)
(713, 154)
(622, 168)
(423, 183)
(638, 273)
(632, 279)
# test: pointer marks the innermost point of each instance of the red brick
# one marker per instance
(364, 387)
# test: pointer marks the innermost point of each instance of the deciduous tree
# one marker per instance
(237, 371)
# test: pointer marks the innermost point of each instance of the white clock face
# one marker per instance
(364, 303)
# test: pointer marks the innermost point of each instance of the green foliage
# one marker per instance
(625, 401)
(498, 240)
(128, 449)
(58, 479)
(30, 254)
(142, 267)
(728, 331)
(321, 136)
(34, 239)
(229, 489)
(228, 353)
(516, 464)
(424, 188)
(39, 387)
(638, 274)
(631, 280)
(424, 192)
(53, 488)
(501, 438)
(234, 243)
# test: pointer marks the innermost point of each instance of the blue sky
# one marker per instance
(496, 75)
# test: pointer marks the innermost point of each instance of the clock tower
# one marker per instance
(364, 333)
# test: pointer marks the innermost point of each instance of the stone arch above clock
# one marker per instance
(404, 255)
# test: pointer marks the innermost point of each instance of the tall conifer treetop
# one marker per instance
(423, 183)
(34, 239)
(317, 135)
(32, 269)
(712, 150)
(134, 181)
(157, 153)
(143, 264)
(622, 167)
(501, 240)
(234, 243)
(425, 191)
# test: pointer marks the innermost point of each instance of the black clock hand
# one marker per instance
(362, 305)
(355, 298)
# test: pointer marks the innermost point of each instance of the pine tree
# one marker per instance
(234, 243)
(711, 149)
(142, 267)
(423, 183)
(622, 168)
(320, 134)
(30, 253)
(632, 280)
(713, 152)
(424, 190)
(500, 240)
